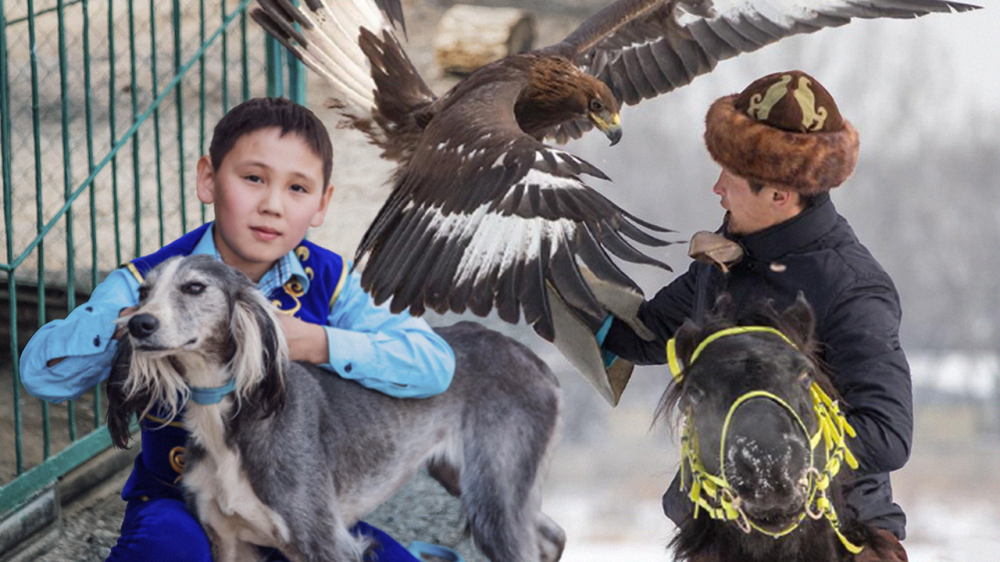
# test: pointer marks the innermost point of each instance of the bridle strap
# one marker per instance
(677, 366)
(832, 429)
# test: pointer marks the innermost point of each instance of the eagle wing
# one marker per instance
(485, 217)
(482, 216)
(644, 48)
(377, 89)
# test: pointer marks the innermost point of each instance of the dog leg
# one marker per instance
(447, 474)
(551, 538)
(231, 549)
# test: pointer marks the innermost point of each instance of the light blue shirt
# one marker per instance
(396, 354)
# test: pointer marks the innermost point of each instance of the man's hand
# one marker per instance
(306, 341)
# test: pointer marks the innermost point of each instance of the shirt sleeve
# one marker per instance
(862, 350)
(663, 314)
(82, 339)
(396, 354)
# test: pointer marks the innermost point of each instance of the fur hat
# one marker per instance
(783, 128)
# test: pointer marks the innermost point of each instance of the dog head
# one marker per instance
(199, 323)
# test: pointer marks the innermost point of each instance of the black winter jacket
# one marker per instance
(857, 324)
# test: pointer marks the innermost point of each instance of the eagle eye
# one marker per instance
(596, 105)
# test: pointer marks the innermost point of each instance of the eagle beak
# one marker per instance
(610, 125)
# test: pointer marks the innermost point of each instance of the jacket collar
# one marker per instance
(797, 232)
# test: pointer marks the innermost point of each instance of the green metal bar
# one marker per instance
(275, 82)
(244, 59)
(89, 111)
(39, 220)
(41, 13)
(201, 95)
(156, 121)
(296, 80)
(89, 108)
(136, 176)
(67, 188)
(22, 488)
(296, 74)
(125, 138)
(225, 63)
(8, 221)
(112, 124)
(180, 114)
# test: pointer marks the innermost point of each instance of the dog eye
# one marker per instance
(193, 288)
(143, 293)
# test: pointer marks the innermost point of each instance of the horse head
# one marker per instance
(763, 437)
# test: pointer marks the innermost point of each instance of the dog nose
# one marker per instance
(142, 325)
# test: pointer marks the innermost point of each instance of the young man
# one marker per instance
(782, 145)
(267, 177)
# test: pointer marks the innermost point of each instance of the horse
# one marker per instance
(763, 441)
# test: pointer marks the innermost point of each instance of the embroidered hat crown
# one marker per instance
(792, 101)
(784, 129)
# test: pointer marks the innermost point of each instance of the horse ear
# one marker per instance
(120, 408)
(687, 339)
(723, 306)
(799, 318)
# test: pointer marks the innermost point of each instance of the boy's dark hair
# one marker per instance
(263, 113)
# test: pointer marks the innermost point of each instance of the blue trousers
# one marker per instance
(162, 530)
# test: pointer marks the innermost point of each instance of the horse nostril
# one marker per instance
(142, 325)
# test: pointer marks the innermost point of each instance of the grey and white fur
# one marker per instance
(296, 455)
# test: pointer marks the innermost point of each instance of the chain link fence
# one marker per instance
(104, 109)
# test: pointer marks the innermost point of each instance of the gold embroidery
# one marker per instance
(760, 106)
(135, 271)
(302, 252)
(294, 290)
(813, 117)
(340, 283)
(310, 273)
(176, 457)
(162, 422)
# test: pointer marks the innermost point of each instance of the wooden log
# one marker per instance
(469, 37)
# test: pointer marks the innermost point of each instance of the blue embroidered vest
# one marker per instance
(158, 468)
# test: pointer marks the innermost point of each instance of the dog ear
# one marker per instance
(121, 408)
(261, 353)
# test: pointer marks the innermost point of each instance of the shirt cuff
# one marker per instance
(350, 353)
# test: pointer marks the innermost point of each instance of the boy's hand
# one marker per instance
(306, 341)
(123, 326)
(119, 333)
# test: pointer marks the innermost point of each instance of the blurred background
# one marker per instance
(924, 95)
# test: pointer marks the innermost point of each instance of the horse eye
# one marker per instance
(805, 379)
(193, 288)
(693, 395)
(596, 105)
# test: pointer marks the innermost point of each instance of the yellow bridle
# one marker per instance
(713, 494)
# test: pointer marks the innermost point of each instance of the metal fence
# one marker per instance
(104, 109)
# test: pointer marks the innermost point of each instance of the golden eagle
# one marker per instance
(483, 214)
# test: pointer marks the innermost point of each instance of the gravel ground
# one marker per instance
(91, 525)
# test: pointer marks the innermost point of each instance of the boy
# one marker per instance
(268, 177)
